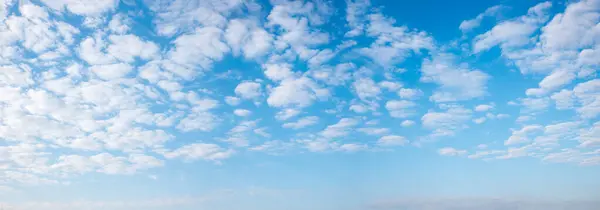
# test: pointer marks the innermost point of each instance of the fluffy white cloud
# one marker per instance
(366, 89)
(83, 7)
(456, 82)
(483, 107)
(278, 72)
(588, 95)
(552, 82)
(299, 92)
(340, 129)
(393, 44)
(535, 104)
(198, 50)
(515, 32)
(242, 112)
(480, 120)
(232, 101)
(401, 109)
(410, 94)
(202, 121)
(523, 135)
(294, 21)
(355, 16)
(249, 90)
(286, 114)
(389, 85)
(391, 140)
(112, 71)
(128, 47)
(563, 99)
(245, 36)
(407, 123)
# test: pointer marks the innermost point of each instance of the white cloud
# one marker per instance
(535, 104)
(300, 92)
(337, 75)
(356, 12)
(340, 129)
(294, 21)
(588, 95)
(112, 71)
(479, 120)
(232, 101)
(468, 25)
(449, 151)
(321, 57)
(401, 109)
(286, 114)
(446, 123)
(572, 29)
(374, 131)
(128, 47)
(410, 94)
(523, 135)
(483, 107)
(513, 33)
(393, 44)
(262, 132)
(199, 49)
(457, 82)
(391, 140)
(552, 82)
(83, 7)
(197, 151)
(274, 147)
(242, 112)
(278, 72)
(245, 36)
(389, 85)
(239, 135)
(119, 24)
(366, 89)
(563, 99)
(407, 123)
(302, 122)
(351, 147)
(249, 90)
(202, 121)
(590, 137)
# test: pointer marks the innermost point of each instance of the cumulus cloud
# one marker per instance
(249, 90)
(401, 109)
(514, 33)
(456, 82)
(391, 140)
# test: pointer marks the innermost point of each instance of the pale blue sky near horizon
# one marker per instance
(315, 104)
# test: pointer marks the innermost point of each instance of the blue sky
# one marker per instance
(357, 104)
